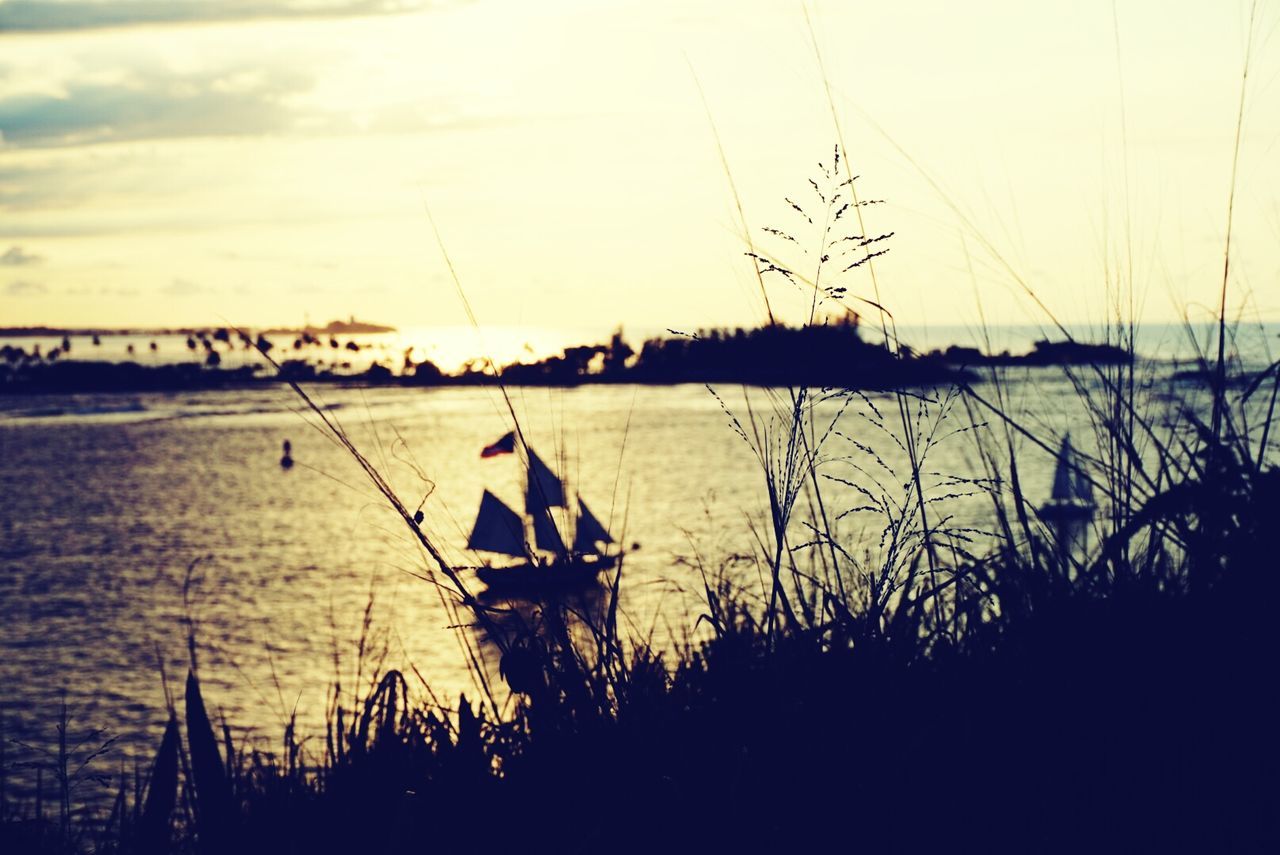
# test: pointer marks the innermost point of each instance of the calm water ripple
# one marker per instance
(108, 501)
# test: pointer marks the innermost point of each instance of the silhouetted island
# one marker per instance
(828, 355)
(87, 332)
(1042, 353)
(833, 355)
(347, 327)
(223, 333)
(77, 376)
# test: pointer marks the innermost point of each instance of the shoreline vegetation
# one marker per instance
(830, 355)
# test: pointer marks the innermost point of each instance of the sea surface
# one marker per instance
(126, 519)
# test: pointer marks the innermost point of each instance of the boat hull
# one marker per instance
(1066, 512)
(535, 579)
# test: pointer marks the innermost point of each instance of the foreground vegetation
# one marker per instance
(924, 685)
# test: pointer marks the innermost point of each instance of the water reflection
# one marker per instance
(530, 626)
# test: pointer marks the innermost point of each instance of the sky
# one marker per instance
(268, 162)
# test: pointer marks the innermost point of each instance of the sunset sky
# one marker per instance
(264, 161)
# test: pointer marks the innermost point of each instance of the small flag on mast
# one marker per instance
(505, 445)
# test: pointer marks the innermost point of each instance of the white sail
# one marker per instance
(1063, 482)
(1069, 482)
(545, 489)
(589, 531)
(1084, 488)
(497, 529)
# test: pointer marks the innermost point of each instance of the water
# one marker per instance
(113, 504)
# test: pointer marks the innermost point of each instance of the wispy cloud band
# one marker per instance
(16, 256)
(154, 104)
(52, 16)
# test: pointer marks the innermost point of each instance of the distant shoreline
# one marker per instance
(349, 327)
(832, 357)
(86, 377)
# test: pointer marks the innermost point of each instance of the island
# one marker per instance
(351, 326)
(832, 355)
(347, 327)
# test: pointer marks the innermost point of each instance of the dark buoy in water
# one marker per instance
(286, 461)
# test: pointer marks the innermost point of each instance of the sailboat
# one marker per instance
(1072, 497)
(547, 563)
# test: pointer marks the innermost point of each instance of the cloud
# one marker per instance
(87, 186)
(184, 288)
(156, 104)
(151, 103)
(23, 288)
(44, 16)
(101, 291)
(16, 256)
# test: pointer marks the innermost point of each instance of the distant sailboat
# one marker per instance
(1071, 499)
(547, 563)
